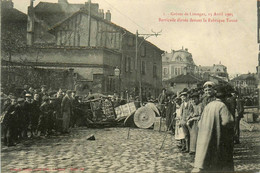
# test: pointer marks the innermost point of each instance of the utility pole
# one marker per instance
(137, 46)
(89, 21)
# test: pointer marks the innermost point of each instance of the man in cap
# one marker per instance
(186, 110)
(214, 150)
(66, 110)
(209, 93)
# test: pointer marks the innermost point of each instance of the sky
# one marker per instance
(233, 44)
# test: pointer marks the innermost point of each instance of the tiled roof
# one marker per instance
(245, 77)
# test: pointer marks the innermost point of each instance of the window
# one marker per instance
(131, 41)
(143, 51)
(126, 64)
(165, 71)
(132, 64)
(176, 71)
(143, 67)
(179, 71)
(172, 70)
(154, 70)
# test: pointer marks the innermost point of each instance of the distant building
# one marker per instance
(217, 70)
(245, 84)
(176, 63)
(177, 84)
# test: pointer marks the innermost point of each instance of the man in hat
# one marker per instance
(186, 110)
(192, 122)
(209, 93)
(20, 119)
(66, 110)
(43, 119)
(170, 112)
(214, 150)
(8, 124)
(35, 113)
(43, 92)
(239, 114)
(27, 113)
(52, 115)
(162, 99)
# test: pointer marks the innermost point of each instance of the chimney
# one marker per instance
(30, 24)
(7, 4)
(62, 1)
(101, 13)
(108, 16)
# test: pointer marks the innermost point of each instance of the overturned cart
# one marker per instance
(100, 111)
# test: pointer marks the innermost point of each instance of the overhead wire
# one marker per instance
(126, 16)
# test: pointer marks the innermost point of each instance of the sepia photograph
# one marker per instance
(130, 86)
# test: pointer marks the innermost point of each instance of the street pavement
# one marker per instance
(113, 152)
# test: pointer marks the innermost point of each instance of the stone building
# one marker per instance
(245, 84)
(217, 70)
(176, 63)
(81, 38)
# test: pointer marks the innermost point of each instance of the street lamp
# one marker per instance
(117, 74)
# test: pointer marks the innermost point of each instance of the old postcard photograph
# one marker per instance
(130, 86)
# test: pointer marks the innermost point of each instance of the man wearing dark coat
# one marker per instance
(170, 113)
(162, 99)
(214, 150)
(8, 125)
(239, 114)
(66, 110)
(35, 113)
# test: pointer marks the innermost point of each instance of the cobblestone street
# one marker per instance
(113, 152)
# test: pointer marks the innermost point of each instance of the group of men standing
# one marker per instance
(39, 113)
(206, 122)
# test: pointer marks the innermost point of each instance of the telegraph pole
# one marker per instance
(89, 21)
(137, 46)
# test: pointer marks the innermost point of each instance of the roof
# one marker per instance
(179, 56)
(53, 13)
(188, 78)
(220, 80)
(13, 15)
(245, 77)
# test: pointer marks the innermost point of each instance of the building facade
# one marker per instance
(82, 39)
(245, 84)
(217, 70)
(176, 63)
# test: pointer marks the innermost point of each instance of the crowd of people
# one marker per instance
(205, 120)
(37, 113)
(206, 123)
